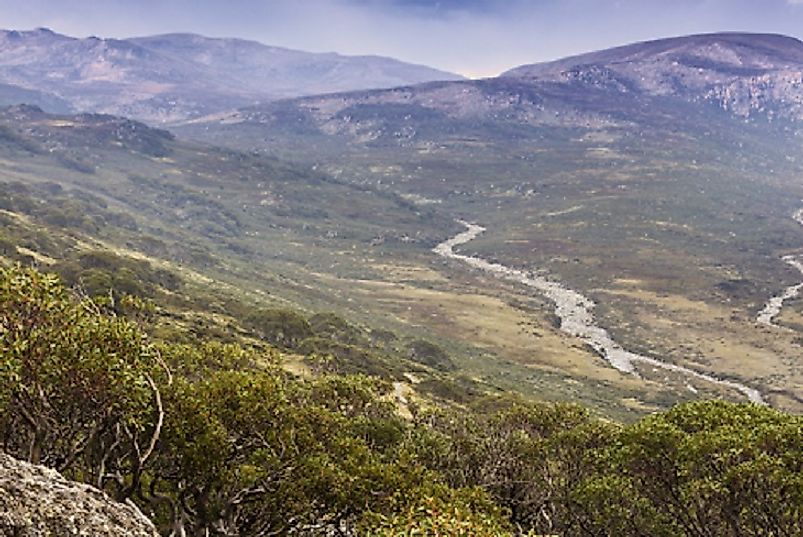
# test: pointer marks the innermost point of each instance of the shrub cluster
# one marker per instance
(216, 439)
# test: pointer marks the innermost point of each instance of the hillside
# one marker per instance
(222, 204)
(563, 301)
(748, 75)
(178, 76)
(220, 439)
(670, 209)
(671, 217)
(249, 231)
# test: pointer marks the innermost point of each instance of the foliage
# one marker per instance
(284, 328)
(463, 513)
(335, 357)
(528, 456)
(430, 354)
(76, 386)
(334, 327)
(704, 468)
(214, 438)
(100, 272)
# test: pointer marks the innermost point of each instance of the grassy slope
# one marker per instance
(576, 203)
(72, 186)
(674, 224)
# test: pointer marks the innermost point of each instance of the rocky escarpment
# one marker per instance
(36, 501)
(745, 74)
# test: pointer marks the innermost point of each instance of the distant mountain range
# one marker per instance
(754, 77)
(174, 77)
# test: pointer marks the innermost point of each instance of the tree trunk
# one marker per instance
(35, 451)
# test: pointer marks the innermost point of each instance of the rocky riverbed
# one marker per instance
(576, 313)
(775, 304)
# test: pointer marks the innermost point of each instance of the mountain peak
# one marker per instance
(723, 50)
(742, 73)
(37, 33)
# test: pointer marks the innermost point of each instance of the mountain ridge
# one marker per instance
(662, 45)
(746, 74)
(753, 77)
(172, 77)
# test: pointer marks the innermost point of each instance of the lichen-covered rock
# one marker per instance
(37, 502)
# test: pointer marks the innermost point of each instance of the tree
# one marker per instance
(527, 456)
(441, 511)
(77, 390)
(701, 469)
(284, 328)
(256, 451)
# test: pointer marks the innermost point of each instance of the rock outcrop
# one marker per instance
(36, 502)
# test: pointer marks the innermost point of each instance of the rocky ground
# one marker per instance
(36, 502)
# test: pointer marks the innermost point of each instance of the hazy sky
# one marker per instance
(472, 37)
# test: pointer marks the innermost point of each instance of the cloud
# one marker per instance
(423, 7)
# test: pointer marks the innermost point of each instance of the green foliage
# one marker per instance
(705, 468)
(527, 456)
(76, 390)
(459, 390)
(258, 452)
(284, 328)
(100, 272)
(462, 513)
(197, 361)
(7, 247)
(334, 357)
(430, 354)
(334, 327)
(218, 439)
(67, 210)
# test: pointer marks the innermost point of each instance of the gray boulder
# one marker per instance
(36, 502)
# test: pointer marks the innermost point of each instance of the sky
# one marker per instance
(472, 37)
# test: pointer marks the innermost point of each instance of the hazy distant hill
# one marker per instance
(753, 76)
(178, 76)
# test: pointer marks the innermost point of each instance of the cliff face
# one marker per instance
(36, 501)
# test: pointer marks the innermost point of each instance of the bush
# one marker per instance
(285, 328)
(216, 439)
(430, 354)
(77, 394)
